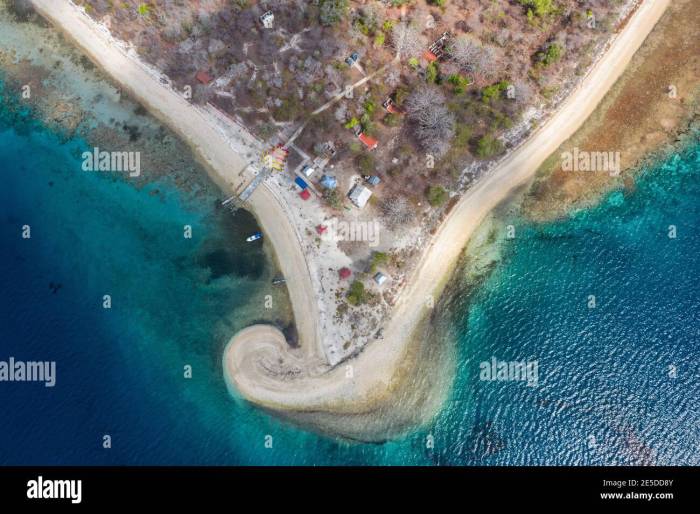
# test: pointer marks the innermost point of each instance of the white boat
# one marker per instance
(254, 237)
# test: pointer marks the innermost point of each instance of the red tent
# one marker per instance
(305, 195)
(320, 229)
(344, 272)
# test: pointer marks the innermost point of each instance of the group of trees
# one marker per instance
(332, 11)
(433, 124)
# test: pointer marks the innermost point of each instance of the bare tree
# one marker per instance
(422, 98)
(341, 113)
(393, 77)
(465, 50)
(433, 124)
(522, 93)
(407, 40)
(474, 57)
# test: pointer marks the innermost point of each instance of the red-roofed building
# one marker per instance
(344, 273)
(391, 107)
(369, 142)
(305, 195)
(203, 77)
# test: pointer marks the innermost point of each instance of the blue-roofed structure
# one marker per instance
(329, 182)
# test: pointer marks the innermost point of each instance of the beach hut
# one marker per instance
(359, 195)
(329, 182)
(368, 141)
(380, 278)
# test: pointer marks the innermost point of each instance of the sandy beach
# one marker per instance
(360, 385)
(226, 167)
(375, 368)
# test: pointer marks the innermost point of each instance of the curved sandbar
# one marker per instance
(376, 368)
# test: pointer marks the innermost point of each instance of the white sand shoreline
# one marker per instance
(375, 371)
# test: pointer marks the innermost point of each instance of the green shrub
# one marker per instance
(550, 55)
(431, 73)
(357, 294)
(488, 146)
(459, 82)
(365, 162)
(436, 195)
(378, 259)
(332, 11)
(539, 7)
(333, 198)
(392, 120)
(493, 91)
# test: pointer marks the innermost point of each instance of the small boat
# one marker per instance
(279, 281)
(254, 237)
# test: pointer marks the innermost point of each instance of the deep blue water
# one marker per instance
(603, 372)
(605, 393)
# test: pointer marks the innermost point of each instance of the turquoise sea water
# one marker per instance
(604, 394)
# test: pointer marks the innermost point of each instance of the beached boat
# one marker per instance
(254, 237)
(279, 281)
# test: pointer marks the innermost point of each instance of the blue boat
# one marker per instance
(254, 237)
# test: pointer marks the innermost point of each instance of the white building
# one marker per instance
(267, 19)
(359, 195)
(380, 278)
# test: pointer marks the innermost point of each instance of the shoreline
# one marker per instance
(224, 165)
(447, 244)
(378, 371)
(637, 117)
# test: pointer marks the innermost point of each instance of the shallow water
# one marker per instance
(604, 392)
